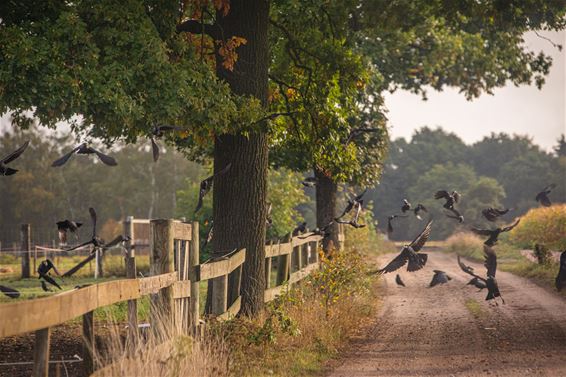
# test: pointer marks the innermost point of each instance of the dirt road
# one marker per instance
(450, 330)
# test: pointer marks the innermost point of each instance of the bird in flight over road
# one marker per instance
(4, 170)
(476, 281)
(67, 225)
(157, 132)
(85, 149)
(490, 283)
(406, 206)
(561, 277)
(439, 277)
(399, 281)
(206, 185)
(389, 225)
(542, 197)
(494, 233)
(44, 272)
(410, 253)
(419, 208)
(451, 198)
(491, 214)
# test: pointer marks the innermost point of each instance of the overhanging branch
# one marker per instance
(196, 27)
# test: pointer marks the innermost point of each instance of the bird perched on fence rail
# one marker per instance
(206, 185)
(439, 277)
(491, 214)
(44, 272)
(410, 253)
(67, 225)
(542, 197)
(493, 234)
(85, 149)
(158, 132)
(4, 170)
(560, 281)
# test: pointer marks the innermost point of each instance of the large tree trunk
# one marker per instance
(326, 190)
(239, 204)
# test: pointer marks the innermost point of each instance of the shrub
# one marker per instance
(544, 225)
(466, 244)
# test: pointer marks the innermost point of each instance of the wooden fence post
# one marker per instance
(295, 258)
(268, 267)
(219, 294)
(41, 352)
(25, 242)
(88, 343)
(283, 262)
(162, 261)
(194, 255)
(131, 274)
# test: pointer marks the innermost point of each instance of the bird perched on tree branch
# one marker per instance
(206, 185)
(410, 253)
(494, 233)
(85, 149)
(4, 170)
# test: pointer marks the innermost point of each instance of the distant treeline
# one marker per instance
(498, 171)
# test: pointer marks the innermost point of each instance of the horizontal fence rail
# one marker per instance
(173, 286)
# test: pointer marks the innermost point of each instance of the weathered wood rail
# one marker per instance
(173, 287)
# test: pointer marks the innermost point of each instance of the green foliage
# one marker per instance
(544, 225)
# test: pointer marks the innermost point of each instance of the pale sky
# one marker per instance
(521, 110)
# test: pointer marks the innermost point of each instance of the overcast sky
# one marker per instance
(522, 110)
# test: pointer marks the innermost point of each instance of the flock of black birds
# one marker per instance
(415, 261)
(409, 254)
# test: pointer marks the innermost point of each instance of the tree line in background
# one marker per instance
(498, 171)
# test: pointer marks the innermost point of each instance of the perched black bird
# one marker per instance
(542, 197)
(10, 292)
(351, 203)
(399, 281)
(419, 208)
(45, 287)
(67, 225)
(4, 170)
(476, 281)
(301, 228)
(440, 277)
(561, 277)
(85, 149)
(406, 206)
(44, 272)
(206, 185)
(309, 181)
(410, 254)
(493, 234)
(389, 225)
(357, 132)
(491, 214)
(457, 215)
(451, 198)
(157, 132)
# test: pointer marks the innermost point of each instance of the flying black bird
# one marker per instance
(491, 214)
(542, 197)
(67, 225)
(44, 272)
(410, 254)
(399, 281)
(406, 206)
(451, 198)
(309, 181)
(491, 266)
(85, 149)
(45, 287)
(206, 185)
(157, 132)
(357, 132)
(354, 221)
(10, 292)
(476, 281)
(324, 231)
(4, 170)
(561, 277)
(389, 225)
(301, 228)
(209, 235)
(493, 234)
(351, 203)
(456, 215)
(419, 208)
(439, 277)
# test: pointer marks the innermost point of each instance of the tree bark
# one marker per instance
(326, 190)
(239, 202)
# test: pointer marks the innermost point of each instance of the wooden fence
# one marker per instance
(173, 287)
